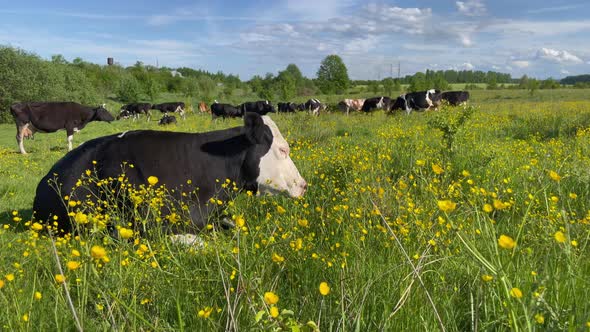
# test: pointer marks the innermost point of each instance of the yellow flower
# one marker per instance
(240, 221)
(499, 205)
(539, 319)
(487, 208)
(38, 296)
(10, 277)
(437, 169)
(303, 222)
(559, 237)
(277, 258)
(420, 162)
(81, 218)
(573, 195)
(487, 277)
(152, 180)
(447, 205)
(506, 242)
(274, 312)
(37, 226)
(574, 243)
(60, 279)
(281, 209)
(1, 283)
(554, 176)
(125, 233)
(271, 298)
(98, 252)
(516, 293)
(72, 265)
(205, 313)
(324, 288)
(25, 317)
(75, 253)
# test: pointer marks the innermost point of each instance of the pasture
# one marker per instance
(397, 232)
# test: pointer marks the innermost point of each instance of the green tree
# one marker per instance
(206, 86)
(332, 76)
(388, 86)
(286, 85)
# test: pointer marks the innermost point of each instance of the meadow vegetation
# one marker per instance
(401, 229)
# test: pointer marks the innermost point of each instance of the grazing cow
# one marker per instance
(375, 103)
(225, 111)
(48, 117)
(203, 108)
(419, 101)
(314, 106)
(287, 107)
(171, 108)
(167, 119)
(351, 104)
(254, 156)
(261, 107)
(134, 110)
(455, 98)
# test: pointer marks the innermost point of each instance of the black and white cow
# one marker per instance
(376, 103)
(49, 117)
(225, 111)
(418, 101)
(167, 119)
(171, 108)
(254, 156)
(287, 107)
(134, 110)
(455, 98)
(261, 107)
(314, 106)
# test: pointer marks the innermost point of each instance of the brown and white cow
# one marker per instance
(351, 104)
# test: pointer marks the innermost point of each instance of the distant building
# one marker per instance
(110, 61)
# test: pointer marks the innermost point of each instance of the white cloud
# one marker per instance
(471, 7)
(557, 56)
(564, 71)
(467, 66)
(521, 63)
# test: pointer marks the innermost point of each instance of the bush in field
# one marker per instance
(129, 90)
(332, 77)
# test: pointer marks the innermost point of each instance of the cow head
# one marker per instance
(269, 108)
(101, 114)
(276, 171)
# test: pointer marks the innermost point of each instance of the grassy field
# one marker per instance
(410, 223)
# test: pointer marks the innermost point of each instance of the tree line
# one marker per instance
(25, 77)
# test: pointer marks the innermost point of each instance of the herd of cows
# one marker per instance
(255, 156)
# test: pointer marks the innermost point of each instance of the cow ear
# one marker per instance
(254, 127)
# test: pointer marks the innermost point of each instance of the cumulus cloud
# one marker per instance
(564, 71)
(557, 56)
(471, 7)
(467, 66)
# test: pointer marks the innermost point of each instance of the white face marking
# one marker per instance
(76, 129)
(277, 171)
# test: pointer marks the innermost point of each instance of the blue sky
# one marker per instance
(538, 38)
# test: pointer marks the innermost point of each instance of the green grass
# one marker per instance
(375, 225)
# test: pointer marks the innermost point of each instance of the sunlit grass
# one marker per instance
(395, 233)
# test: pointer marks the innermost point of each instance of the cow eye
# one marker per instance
(284, 151)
